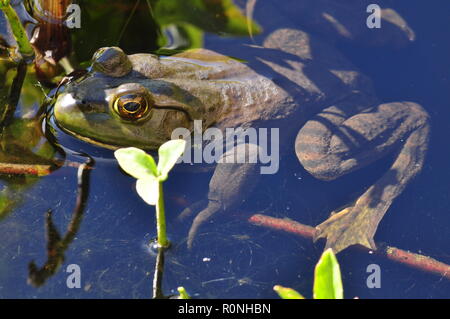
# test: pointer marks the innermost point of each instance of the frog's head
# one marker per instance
(125, 101)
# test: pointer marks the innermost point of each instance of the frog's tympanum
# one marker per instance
(295, 82)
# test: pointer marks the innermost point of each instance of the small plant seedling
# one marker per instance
(327, 280)
(150, 177)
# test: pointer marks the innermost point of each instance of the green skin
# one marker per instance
(322, 102)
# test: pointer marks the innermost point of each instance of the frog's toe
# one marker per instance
(212, 208)
(345, 228)
(192, 209)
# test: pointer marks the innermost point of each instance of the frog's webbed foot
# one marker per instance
(346, 228)
(193, 209)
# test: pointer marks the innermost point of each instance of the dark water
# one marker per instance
(231, 258)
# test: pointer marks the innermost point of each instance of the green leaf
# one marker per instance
(148, 189)
(136, 162)
(218, 16)
(237, 23)
(169, 153)
(327, 277)
(287, 293)
(183, 293)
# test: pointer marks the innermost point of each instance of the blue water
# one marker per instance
(231, 258)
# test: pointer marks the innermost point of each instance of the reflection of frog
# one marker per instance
(316, 95)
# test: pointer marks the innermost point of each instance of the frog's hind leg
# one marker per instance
(335, 143)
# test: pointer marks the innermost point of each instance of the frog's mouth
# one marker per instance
(111, 145)
(88, 139)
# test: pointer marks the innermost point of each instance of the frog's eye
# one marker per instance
(132, 106)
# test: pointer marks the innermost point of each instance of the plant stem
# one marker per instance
(14, 95)
(25, 48)
(157, 278)
(161, 219)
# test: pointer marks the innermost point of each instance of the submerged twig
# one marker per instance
(25, 169)
(417, 261)
(37, 169)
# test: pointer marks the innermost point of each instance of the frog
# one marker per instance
(326, 110)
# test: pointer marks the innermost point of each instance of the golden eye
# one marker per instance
(131, 106)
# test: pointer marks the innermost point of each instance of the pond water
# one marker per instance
(230, 258)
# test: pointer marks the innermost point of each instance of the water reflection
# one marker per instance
(57, 245)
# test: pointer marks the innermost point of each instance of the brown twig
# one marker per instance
(25, 169)
(410, 259)
(36, 169)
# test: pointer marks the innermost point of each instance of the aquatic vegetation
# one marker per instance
(150, 177)
(287, 293)
(24, 46)
(183, 293)
(327, 280)
(164, 27)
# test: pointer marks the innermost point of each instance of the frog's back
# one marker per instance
(292, 72)
(232, 93)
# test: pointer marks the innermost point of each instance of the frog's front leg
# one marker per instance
(232, 182)
(337, 142)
